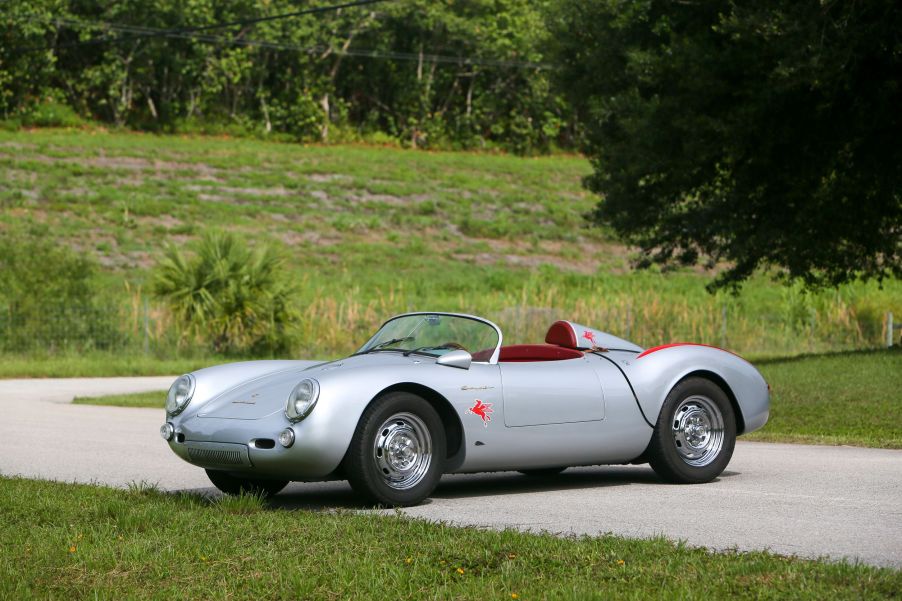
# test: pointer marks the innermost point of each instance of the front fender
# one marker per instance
(345, 395)
(654, 374)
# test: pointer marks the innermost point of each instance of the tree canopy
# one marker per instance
(750, 134)
(452, 73)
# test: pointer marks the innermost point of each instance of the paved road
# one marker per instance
(805, 500)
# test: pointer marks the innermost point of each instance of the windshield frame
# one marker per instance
(492, 360)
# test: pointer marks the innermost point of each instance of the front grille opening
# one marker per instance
(264, 443)
(215, 456)
(180, 437)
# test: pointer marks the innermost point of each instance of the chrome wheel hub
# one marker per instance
(402, 451)
(697, 430)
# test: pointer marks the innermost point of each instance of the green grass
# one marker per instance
(67, 541)
(376, 231)
(97, 364)
(840, 399)
(155, 399)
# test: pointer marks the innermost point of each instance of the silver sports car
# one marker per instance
(434, 393)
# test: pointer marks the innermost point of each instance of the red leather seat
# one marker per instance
(522, 353)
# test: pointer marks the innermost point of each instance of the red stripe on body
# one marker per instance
(672, 344)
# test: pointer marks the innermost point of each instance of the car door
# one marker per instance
(551, 392)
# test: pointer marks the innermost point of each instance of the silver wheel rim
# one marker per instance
(403, 451)
(697, 429)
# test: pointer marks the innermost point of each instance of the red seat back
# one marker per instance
(536, 352)
(561, 333)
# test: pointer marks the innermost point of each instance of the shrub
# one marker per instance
(227, 296)
(49, 298)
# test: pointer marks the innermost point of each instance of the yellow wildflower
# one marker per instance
(460, 570)
(72, 548)
(409, 560)
(620, 562)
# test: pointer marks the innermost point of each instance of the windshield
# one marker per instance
(434, 334)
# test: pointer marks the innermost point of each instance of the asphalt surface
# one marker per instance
(810, 501)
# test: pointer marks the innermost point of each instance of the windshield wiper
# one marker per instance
(420, 350)
(382, 345)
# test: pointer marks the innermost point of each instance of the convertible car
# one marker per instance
(434, 393)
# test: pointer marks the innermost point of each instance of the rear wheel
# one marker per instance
(234, 485)
(396, 456)
(695, 435)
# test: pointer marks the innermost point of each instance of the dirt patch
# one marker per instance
(312, 237)
(259, 192)
(367, 197)
(16, 145)
(164, 220)
(125, 163)
(321, 178)
(582, 265)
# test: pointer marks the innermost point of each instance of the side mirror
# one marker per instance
(459, 358)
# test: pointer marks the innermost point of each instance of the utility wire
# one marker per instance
(239, 23)
(152, 32)
(306, 11)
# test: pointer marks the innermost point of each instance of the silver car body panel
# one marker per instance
(655, 372)
(595, 409)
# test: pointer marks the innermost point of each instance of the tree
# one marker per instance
(760, 134)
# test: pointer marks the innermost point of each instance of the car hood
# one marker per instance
(268, 393)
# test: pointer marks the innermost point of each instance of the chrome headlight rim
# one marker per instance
(291, 407)
(175, 404)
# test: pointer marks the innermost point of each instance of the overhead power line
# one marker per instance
(238, 23)
(152, 32)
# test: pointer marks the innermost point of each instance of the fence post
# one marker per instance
(146, 328)
(723, 327)
(889, 329)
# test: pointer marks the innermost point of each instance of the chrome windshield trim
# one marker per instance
(495, 355)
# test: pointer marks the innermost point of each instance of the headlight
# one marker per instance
(180, 394)
(302, 400)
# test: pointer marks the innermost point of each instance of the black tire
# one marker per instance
(409, 424)
(547, 472)
(695, 435)
(234, 485)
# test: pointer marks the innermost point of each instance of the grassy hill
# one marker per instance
(375, 231)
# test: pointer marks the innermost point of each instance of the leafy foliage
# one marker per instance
(763, 134)
(477, 93)
(235, 299)
(49, 297)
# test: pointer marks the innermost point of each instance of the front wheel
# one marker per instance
(233, 485)
(695, 434)
(396, 456)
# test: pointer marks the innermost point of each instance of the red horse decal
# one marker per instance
(483, 410)
(590, 336)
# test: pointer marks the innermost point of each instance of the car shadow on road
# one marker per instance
(457, 486)
(338, 495)
(326, 496)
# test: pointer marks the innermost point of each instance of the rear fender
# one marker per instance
(654, 374)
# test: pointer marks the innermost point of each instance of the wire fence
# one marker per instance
(332, 328)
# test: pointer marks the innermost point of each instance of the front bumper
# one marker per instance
(246, 446)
